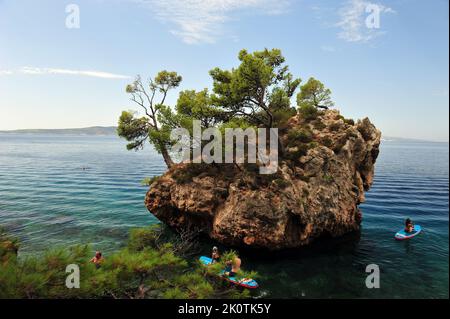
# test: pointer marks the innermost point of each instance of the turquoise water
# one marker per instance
(63, 190)
(60, 190)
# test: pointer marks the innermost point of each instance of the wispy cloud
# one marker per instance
(202, 21)
(90, 73)
(5, 72)
(353, 17)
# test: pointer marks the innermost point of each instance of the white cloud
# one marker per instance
(352, 21)
(89, 73)
(202, 21)
(5, 72)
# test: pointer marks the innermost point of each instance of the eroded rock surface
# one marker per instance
(315, 193)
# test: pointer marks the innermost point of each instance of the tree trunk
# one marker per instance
(166, 156)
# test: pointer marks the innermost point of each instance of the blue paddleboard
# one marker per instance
(246, 282)
(402, 234)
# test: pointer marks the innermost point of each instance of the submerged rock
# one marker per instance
(329, 164)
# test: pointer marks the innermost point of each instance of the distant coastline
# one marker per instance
(408, 140)
(112, 130)
(93, 130)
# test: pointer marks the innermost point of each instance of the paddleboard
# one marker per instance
(402, 234)
(246, 282)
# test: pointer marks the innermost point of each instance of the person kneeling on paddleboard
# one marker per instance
(228, 268)
(236, 265)
(232, 267)
(215, 256)
(409, 226)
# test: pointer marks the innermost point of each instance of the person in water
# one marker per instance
(97, 259)
(409, 227)
(215, 255)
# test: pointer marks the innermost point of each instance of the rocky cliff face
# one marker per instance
(329, 164)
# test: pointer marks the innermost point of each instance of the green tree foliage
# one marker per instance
(198, 106)
(257, 93)
(313, 94)
(148, 267)
(260, 86)
(191, 105)
(137, 130)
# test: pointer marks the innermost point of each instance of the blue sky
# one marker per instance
(52, 76)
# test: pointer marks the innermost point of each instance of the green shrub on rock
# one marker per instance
(318, 124)
(299, 136)
(148, 181)
(335, 126)
(308, 112)
(327, 141)
(281, 183)
(349, 122)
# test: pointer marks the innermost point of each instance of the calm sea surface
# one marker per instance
(64, 190)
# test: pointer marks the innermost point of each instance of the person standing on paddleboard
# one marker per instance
(215, 256)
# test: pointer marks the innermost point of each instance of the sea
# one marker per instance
(63, 190)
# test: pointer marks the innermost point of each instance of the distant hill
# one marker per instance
(94, 130)
(111, 130)
(407, 140)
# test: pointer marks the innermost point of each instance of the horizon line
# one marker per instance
(384, 137)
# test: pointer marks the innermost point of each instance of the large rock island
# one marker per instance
(327, 166)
